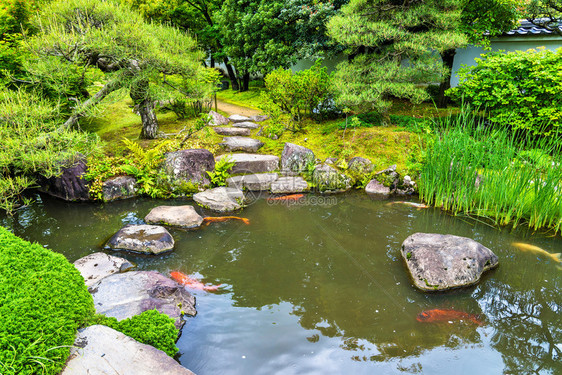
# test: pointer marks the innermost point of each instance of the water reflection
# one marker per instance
(316, 289)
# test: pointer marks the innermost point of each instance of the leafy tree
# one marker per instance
(260, 36)
(109, 36)
(392, 48)
(545, 13)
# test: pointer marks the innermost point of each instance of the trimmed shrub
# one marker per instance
(151, 327)
(43, 300)
(522, 90)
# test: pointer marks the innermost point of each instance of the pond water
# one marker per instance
(320, 288)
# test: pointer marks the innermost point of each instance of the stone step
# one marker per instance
(222, 199)
(244, 144)
(252, 163)
(253, 182)
(233, 131)
(288, 185)
(238, 118)
(246, 125)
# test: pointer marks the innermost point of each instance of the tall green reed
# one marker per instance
(508, 177)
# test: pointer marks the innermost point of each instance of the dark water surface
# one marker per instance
(321, 288)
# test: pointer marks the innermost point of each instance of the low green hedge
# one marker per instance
(43, 300)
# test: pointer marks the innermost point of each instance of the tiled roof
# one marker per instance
(527, 28)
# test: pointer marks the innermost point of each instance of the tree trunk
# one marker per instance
(145, 105)
(107, 89)
(231, 75)
(245, 82)
(149, 121)
(448, 58)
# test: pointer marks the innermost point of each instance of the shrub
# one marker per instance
(43, 300)
(221, 174)
(522, 90)
(305, 93)
(151, 328)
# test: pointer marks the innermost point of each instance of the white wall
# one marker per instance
(467, 55)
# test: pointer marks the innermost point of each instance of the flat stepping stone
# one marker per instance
(238, 118)
(233, 131)
(440, 262)
(286, 185)
(253, 182)
(177, 216)
(96, 266)
(241, 144)
(251, 163)
(220, 199)
(258, 118)
(149, 239)
(100, 350)
(125, 295)
(217, 119)
(246, 125)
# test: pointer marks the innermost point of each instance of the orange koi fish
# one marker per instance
(446, 315)
(292, 197)
(210, 219)
(192, 283)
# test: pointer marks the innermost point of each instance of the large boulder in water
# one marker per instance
(190, 166)
(121, 187)
(124, 295)
(177, 216)
(96, 266)
(440, 262)
(101, 350)
(149, 239)
(296, 158)
(70, 184)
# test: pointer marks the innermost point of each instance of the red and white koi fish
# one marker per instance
(447, 315)
(192, 283)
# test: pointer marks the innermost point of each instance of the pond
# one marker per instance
(320, 288)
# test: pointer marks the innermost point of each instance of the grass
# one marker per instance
(250, 98)
(494, 173)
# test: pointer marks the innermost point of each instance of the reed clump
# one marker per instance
(507, 177)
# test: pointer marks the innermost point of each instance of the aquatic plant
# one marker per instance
(43, 300)
(505, 176)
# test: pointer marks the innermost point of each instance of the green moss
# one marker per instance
(250, 99)
(151, 328)
(408, 256)
(43, 300)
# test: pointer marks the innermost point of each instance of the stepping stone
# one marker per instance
(100, 350)
(258, 118)
(246, 125)
(148, 239)
(217, 119)
(233, 131)
(253, 182)
(251, 163)
(125, 295)
(96, 266)
(241, 144)
(220, 199)
(176, 216)
(238, 118)
(440, 262)
(286, 185)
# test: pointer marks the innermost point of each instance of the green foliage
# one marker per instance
(486, 172)
(32, 145)
(522, 90)
(379, 36)
(43, 300)
(150, 327)
(364, 120)
(482, 19)
(220, 174)
(298, 94)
